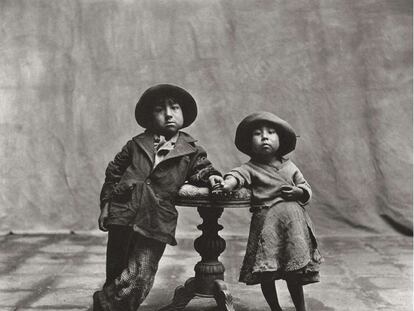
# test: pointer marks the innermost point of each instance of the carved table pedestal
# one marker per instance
(209, 271)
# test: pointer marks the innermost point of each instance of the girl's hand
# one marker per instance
(103, 217)
(229, 184)
(215, 181)
(291, 193)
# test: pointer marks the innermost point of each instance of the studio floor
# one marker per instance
(61, 272)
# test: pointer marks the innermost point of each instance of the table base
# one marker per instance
(185, 293)
(209, 272)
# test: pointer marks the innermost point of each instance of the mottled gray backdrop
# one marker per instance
(339, 71)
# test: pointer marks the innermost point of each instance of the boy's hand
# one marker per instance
(291, 193)
(215, 182)
(103, 217)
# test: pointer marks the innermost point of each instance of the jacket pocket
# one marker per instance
(120, 213)
(122, 192)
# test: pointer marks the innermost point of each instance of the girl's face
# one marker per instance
(265, 141)
(167, 117)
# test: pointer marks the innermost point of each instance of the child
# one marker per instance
(281, 243)
(137, 198)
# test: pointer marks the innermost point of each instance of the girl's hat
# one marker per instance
(286, 133)
(151, 97)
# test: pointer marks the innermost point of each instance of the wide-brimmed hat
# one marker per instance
(151, 97)
(286, 133)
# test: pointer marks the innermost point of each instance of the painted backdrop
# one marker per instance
(339, 71)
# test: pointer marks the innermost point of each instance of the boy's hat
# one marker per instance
(286, 133)
(151, 96)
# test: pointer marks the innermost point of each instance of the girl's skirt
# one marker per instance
(281, 245)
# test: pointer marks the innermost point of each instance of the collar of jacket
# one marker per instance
(182, 146)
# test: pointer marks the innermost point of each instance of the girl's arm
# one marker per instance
(301, 191)
(302, 184)
(294, 193)
(237, 178)
(229, 183)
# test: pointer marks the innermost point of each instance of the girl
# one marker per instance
(282, 243)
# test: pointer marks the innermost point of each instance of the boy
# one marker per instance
(137, 198)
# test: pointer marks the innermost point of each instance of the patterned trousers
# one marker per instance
(117, 251)
(130, 289)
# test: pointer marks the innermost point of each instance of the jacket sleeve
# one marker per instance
(242, 175)
(301, 183)
(200, 169)
(114, 172)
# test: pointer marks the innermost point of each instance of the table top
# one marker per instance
(194, 196)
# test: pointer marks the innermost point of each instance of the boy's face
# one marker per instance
(265, 140)
(167, 117)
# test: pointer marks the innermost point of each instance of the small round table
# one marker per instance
(209, 271)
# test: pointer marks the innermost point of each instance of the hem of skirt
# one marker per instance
(304, 281)
(258, 282)
(289, 268)
(304, 275)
